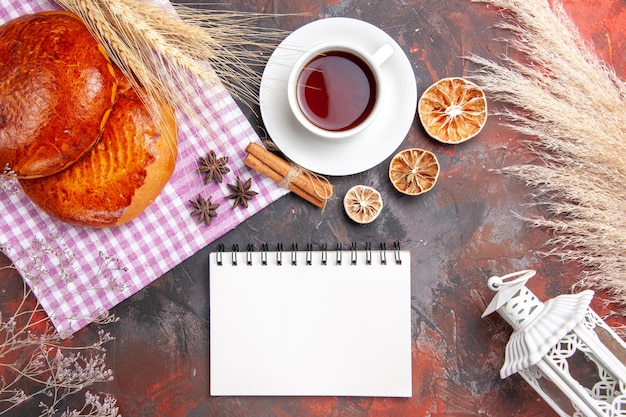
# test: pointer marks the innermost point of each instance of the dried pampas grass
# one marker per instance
(167, 49)
(573, 106)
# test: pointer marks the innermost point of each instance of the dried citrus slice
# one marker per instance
(414, 171)
(362, 203)
(453, 110)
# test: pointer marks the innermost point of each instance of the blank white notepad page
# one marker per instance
(310, 329)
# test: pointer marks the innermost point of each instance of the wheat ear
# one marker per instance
(166, 49)
(572, 106)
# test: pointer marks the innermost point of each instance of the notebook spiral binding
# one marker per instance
(293, 258)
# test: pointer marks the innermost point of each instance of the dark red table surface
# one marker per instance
(459, 234)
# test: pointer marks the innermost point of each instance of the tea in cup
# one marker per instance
(335, 89)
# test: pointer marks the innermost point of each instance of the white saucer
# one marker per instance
(362, 151)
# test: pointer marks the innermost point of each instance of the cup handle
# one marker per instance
(382, 54)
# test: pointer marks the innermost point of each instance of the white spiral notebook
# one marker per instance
(310, 322)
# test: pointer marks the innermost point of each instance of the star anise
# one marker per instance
(241, 192)
(213, 167)
(205, 210)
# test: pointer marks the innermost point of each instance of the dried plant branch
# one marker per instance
(37, 366)
(573, 106)
(167, 49)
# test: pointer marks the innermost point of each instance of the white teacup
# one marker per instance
(335, 89)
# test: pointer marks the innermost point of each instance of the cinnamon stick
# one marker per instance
(255, 163)
(313, 189)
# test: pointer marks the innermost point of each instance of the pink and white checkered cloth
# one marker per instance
(79, 273)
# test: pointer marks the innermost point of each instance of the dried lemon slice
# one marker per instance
(362, 203)
(453, 110)
(414, 171)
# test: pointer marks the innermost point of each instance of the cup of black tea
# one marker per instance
(335, 89)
